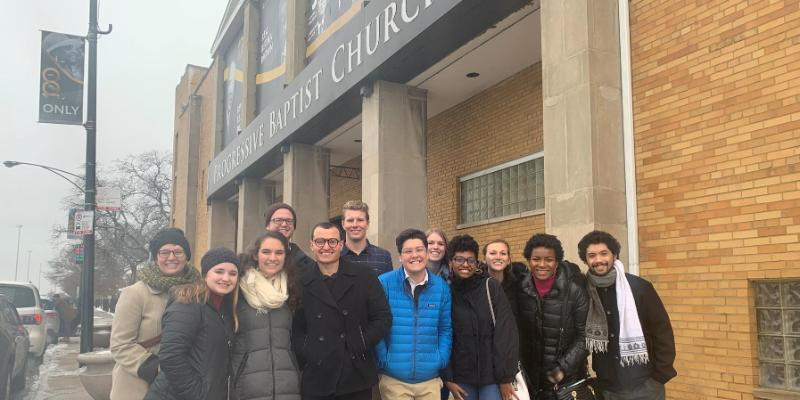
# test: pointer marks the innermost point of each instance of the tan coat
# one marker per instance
(136, 319)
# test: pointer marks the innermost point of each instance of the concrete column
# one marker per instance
(295, 38)
(584, 165)
(222, 225)
(393, 154)
(250, 33)
(306, 187)
(250, 212)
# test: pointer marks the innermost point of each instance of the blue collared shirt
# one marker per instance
(374, 257)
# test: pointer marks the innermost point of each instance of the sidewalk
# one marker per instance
(58, 374)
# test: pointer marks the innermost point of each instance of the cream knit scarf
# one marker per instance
(632, 346)
(262, 292)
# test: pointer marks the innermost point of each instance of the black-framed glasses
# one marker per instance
(333, 242)
(281, 221)
(165, 253)
(471, 261)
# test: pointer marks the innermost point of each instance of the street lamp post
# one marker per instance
(19, 236)
(29, 266)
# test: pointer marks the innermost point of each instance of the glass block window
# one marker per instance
(506, 190)
(778, 327)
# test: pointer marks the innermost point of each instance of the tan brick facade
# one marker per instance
(500, 124)
(204, 87)
(717, 126)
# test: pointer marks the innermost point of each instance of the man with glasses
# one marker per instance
(357, 249)
(418, 345)
(280, 217)
(343, 316)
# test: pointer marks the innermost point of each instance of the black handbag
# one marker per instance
(579, 390)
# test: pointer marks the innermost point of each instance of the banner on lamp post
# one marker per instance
(109, 199)
(61, 79)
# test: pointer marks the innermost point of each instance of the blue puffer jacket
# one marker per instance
(418, 345)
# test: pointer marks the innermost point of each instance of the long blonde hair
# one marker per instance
(198, 292)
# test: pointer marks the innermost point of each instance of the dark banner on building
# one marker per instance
(61, 79)
(324, 17)
(233, 75)
(272, 51)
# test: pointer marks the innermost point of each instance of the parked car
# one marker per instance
(53, 320)
(25, 298)
(14, 345)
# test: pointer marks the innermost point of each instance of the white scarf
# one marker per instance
(262, 292)
(632, 345)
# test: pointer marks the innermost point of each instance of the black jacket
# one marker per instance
(298, 260)
(194, 355)
(657, 333)
(547, 341)
(483, 353)
(263, 364)
(335, 330)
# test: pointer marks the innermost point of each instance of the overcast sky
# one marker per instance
(139, 65)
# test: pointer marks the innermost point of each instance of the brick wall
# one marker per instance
(717, 120)
(208, 94)
(500, 124)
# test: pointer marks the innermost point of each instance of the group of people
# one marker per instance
(451, 320)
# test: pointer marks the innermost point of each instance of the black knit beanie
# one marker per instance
(169, 236)
(218, 256)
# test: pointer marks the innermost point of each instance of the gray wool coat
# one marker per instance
(263, 366)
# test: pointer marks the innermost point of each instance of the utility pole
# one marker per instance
(19, 236)
(87, 274)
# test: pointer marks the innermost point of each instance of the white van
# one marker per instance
(25, 297)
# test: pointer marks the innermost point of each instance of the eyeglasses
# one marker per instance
(458, 260)
(166, 253)
(321, 242)
(281, 221)
(418, 250)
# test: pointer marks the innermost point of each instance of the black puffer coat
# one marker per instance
(194, 355)
(263, 363)
(543, 345)
(483, 353)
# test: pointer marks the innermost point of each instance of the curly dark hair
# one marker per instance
(546, 241)
(462, 243)
(598, 237)
(250, 260)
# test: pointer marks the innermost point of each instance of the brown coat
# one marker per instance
(137, 319)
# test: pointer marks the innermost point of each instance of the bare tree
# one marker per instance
(121, 237)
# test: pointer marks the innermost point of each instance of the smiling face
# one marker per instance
(436, 247)
(271, 257)
(464, 264)
(543, 263)
(413, 256)
(599, 258)
(325, 253)
(222, 278)
(282, 221)
(171, 259)
(497, 256)
(355, 223)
